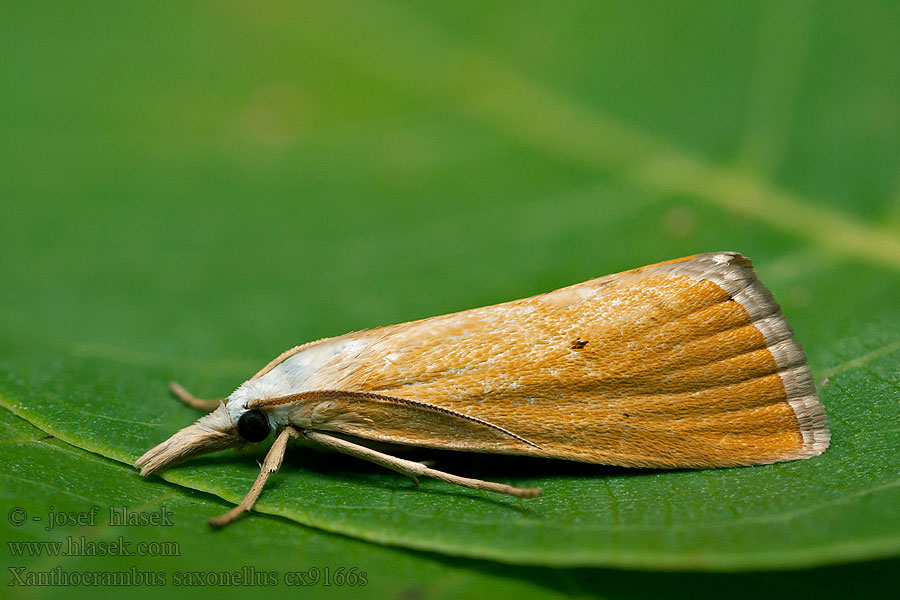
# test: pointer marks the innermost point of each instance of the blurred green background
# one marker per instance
(188, 188)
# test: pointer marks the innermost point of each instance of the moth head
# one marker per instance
(250, 423)
(229, 425)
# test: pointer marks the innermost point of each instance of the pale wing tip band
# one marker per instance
(803, 398)
(813, 426)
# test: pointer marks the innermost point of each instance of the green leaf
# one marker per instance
(193, 189)
(43, 475)
(84, 493)
(834, 508)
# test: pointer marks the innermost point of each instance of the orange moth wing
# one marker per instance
(685, 363)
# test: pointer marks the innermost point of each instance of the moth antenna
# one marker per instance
(336, 394)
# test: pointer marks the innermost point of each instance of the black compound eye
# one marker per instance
(253, 426)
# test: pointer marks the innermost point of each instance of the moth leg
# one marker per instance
(189, 399)
(270, 464)
(414, 469)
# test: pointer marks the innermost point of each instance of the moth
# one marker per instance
(687, 363)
